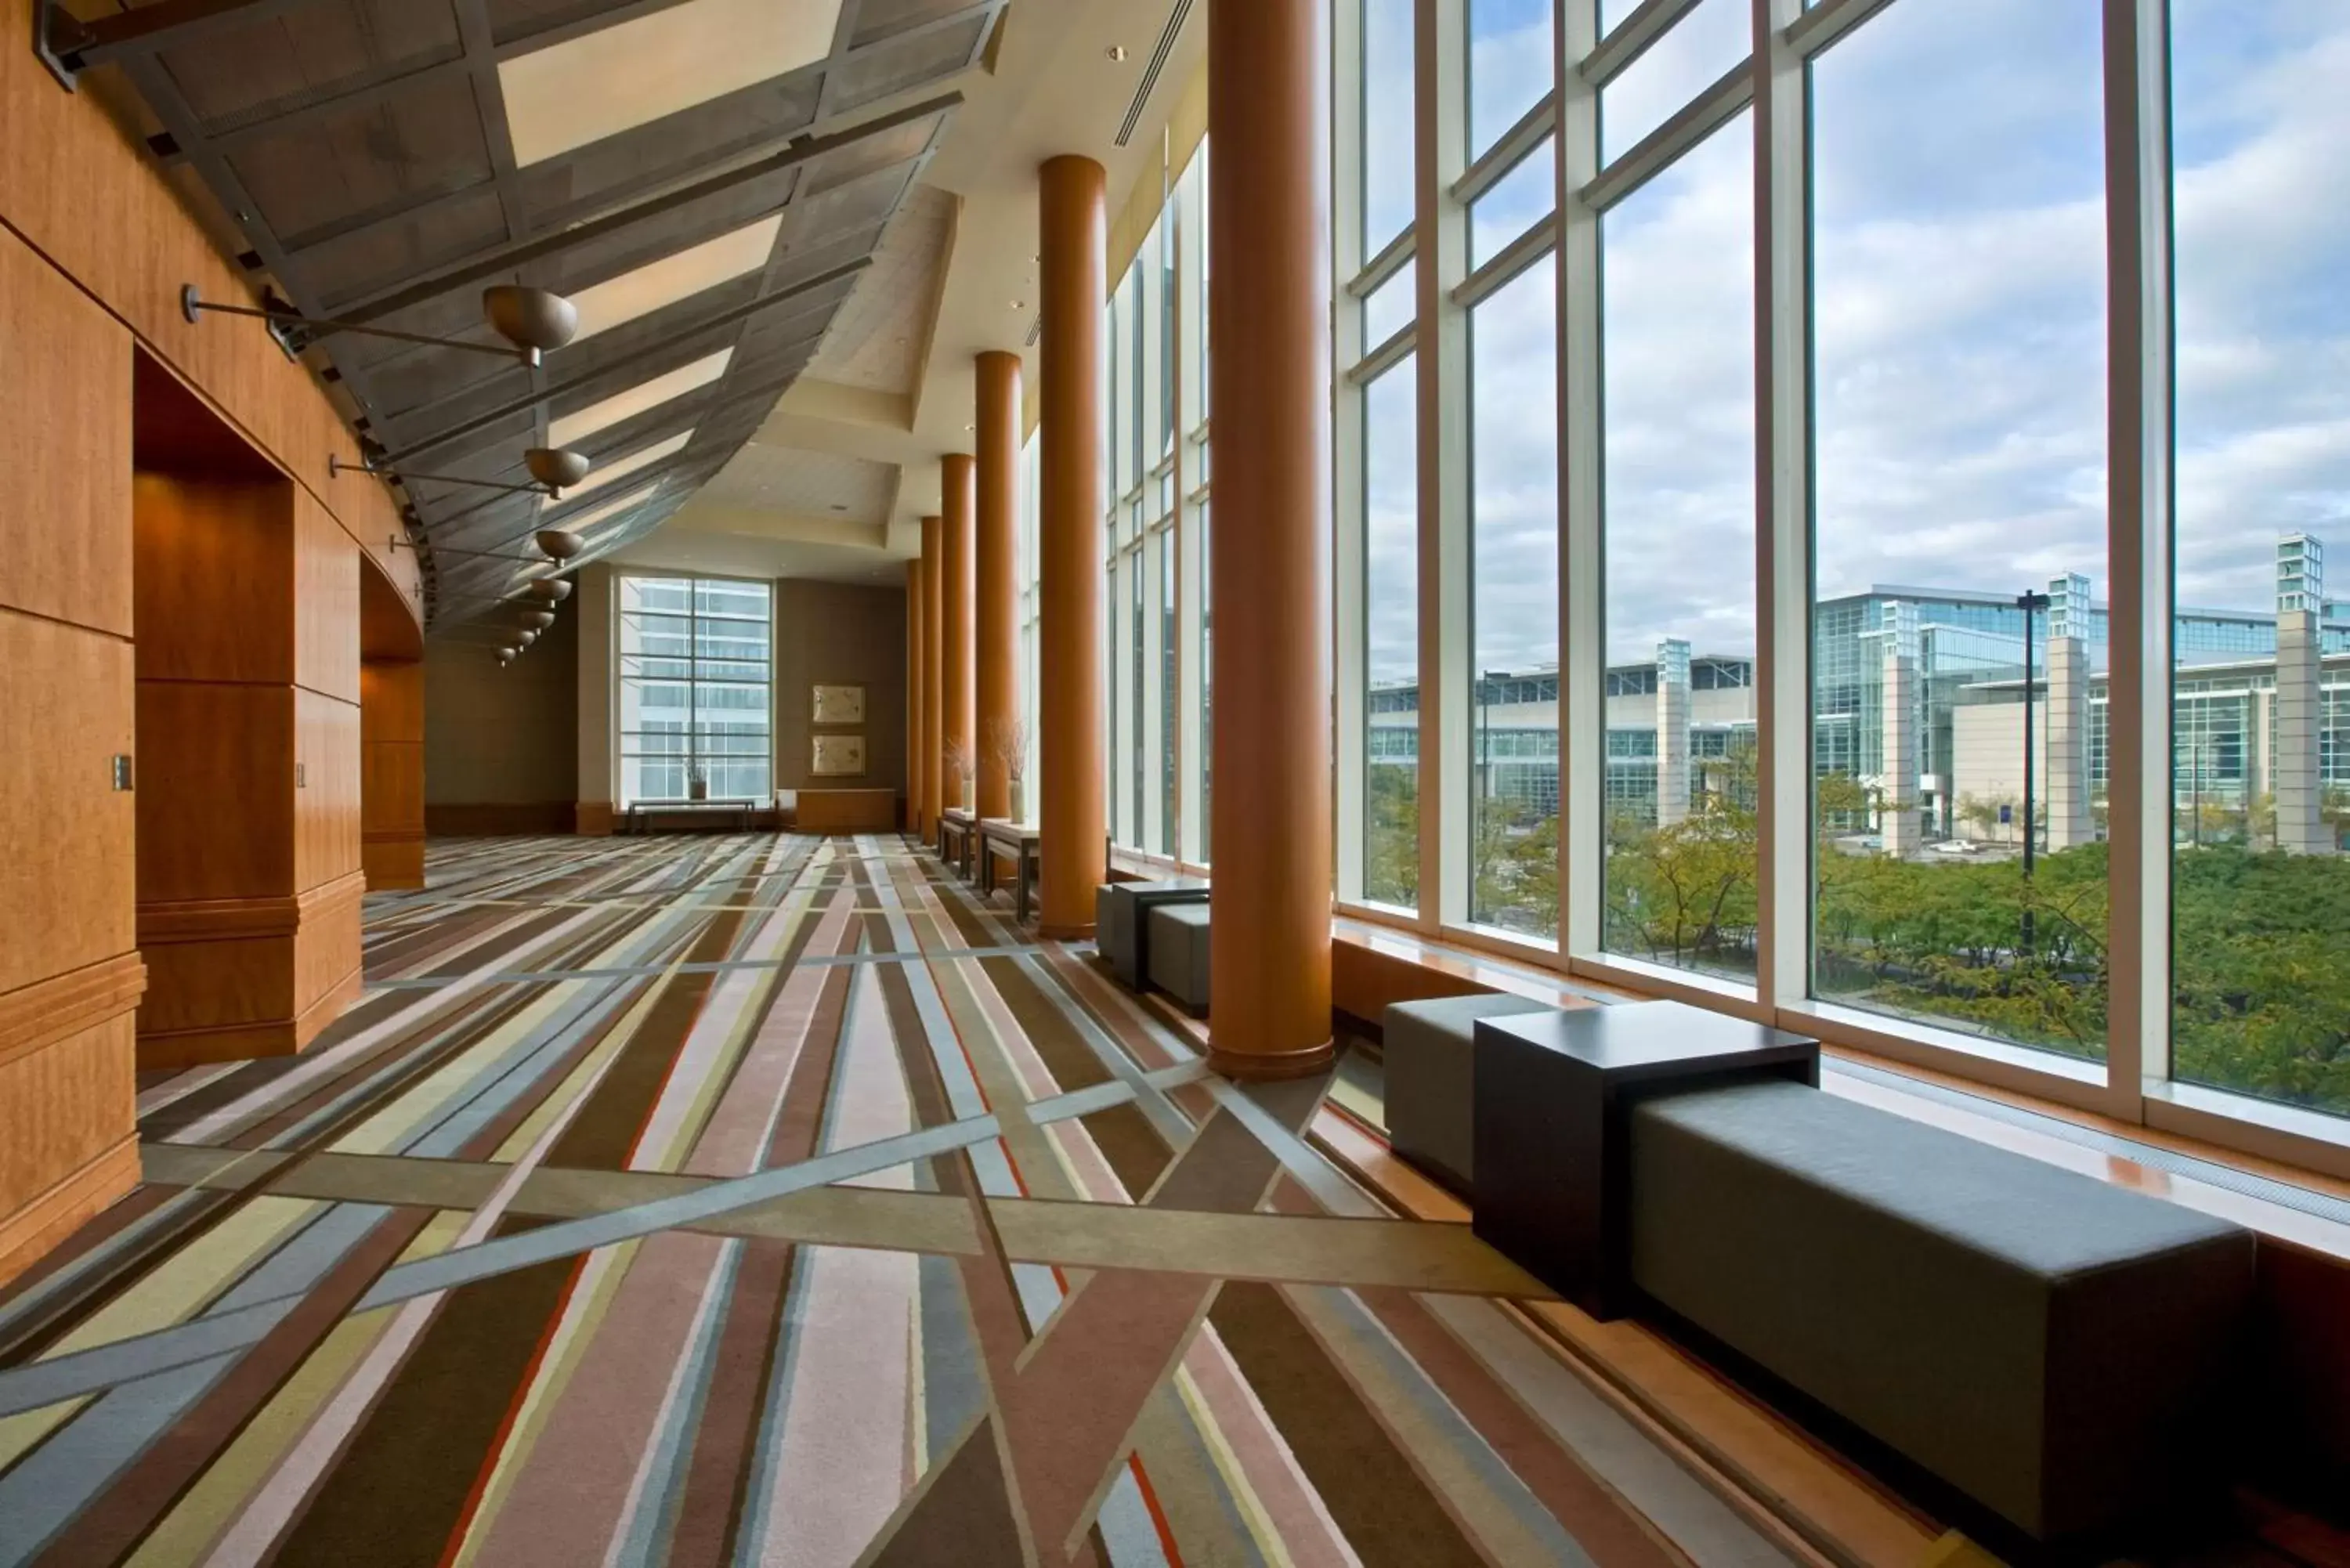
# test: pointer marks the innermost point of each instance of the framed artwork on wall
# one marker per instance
(835, 756)
(838, 705)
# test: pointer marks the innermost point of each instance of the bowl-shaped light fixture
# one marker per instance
(530, 317)
(505, 656)
(557, 468)
(525, 638)
(550, 591)
(538, 618)
(558, 545)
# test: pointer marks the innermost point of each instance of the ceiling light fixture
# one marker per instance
(557, 544)
(552, 470)
(555, 590)
(532, 321)
(538, 620)
(1117, 52)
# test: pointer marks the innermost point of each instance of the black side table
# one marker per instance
(1125, 939)
(1552, 1094)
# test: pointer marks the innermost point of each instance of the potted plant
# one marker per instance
(697, 782)
(1008, 738)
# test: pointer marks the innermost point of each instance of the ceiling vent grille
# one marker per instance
(1150, 82)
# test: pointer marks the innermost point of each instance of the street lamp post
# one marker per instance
(2030, 604)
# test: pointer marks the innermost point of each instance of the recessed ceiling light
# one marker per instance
(1116, 52)
(644, 395)
(1019, 305)
(632, 73)
(681, 275)
(621, 467)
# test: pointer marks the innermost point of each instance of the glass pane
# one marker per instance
(1513, 203)
(1207, 678)
(1138, 728)
(1167, 692)
(1509, 66)
(1391, 639)
(1678, 330)
(2261, 720)
(1386, 135)
(1676, 68)
(1388, 306)
(1514, 607)
(1958, 320)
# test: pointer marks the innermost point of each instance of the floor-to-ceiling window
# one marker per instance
(1154, 532)
(696, 671)
(1512, 684)
(1957, 308)
(2261, 760)
(1840, 535)
(1679, 704)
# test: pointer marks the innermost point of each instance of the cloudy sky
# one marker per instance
(1959, 255)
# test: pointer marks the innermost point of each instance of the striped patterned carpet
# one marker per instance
(765, 1200)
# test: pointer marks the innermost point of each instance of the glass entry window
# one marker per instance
(696, 664)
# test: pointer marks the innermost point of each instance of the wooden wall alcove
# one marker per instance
(95, 246)
(247, 608)
(391, 736)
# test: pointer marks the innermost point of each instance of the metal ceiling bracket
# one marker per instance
(57, 33)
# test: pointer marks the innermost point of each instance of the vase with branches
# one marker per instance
(1007, 742)
(960, 763)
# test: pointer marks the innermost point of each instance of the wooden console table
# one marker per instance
(957, 838)
(1018, 841)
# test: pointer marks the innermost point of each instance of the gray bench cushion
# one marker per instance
(1178, 952)
(2044, 1342)
(1430, 1050)
(1113, 931)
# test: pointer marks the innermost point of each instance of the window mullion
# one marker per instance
(1783, 500)
(2138, 543)
(1582, 702)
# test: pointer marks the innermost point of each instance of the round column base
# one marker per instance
(1084, 934)
(1267, 1067)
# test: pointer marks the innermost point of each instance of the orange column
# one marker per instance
(1268, 303)
(934, 776)
(915, 773)
(956, 479)
(998, 583)
(1074, 278)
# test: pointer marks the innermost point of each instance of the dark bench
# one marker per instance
(1429, 1050)
(1178, 952)
(2050, 1346)
(1121, 921)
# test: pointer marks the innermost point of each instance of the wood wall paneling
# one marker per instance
(72, 1146)
(215, 791)
(327, 801)
(391, 774)
(326, 603)
(65, 447)
(66, 834)
(214, 579)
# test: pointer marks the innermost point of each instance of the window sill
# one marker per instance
(2292, 1136)
(1693, 986)
(2043, 1075)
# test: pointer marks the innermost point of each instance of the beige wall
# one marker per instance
(501, 738)
(839, 633)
